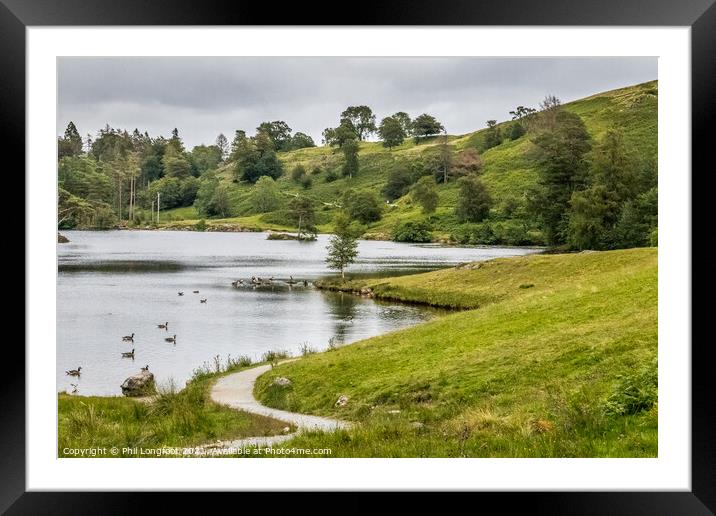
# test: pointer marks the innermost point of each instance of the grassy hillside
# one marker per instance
(508, 169)
(559, 360)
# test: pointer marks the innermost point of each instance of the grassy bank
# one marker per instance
(175, 418)
(558, 360)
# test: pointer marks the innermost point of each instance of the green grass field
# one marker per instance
(508, 169)
(555, 356)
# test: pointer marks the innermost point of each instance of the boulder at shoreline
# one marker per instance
(139, 384)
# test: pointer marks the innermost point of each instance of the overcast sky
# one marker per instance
(203, 96)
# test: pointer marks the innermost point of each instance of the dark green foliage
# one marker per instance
(361, 118)
(391, 132)
(152, 162)
(264, 196)
(212, 198)
(278, 132)
(442, 161)
(595, 212)
(256, 165)
(200, 226)
(509, 232)
(204, 158)
(426, 125)
(300, 141)
(175, 163)
(82, 176)
(305, 181)
(188, 190)
(350, 158)
(398, 183)
(298, 172)
(338, 136)
(637, 223)
(635, 392)
(255, 157)
(302, 214)
(174, 192)
(331, 176)
(563, 167)
(413, 232)
(111, 144)
(71, 143)
(473, 200)
(362, 206)
(104, 217)
(493, 135)
(405, 122)
(517, 130)
(223, 145)
(425, 193)
(342, 246)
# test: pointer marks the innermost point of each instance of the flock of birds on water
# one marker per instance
(254, 282)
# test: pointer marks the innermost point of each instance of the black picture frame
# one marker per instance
(700, 15)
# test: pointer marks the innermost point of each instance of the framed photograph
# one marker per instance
(439, 248)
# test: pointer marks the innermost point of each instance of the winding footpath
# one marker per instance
(237, 391)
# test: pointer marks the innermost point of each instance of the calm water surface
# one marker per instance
(116, 283)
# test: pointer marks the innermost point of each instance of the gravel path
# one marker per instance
(237, 391)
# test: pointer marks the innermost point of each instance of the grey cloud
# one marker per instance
(207, 95)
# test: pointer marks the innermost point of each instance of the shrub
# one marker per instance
(104, 218)
(200, 226)
(516, 130)
(413, 232)
(425, 192)
(510, 232)
(474, 234)
(473, 200)
(331, 176)
(362, 206)
(316, 170)
(398, 183)
(306, 181)
(298, 172)
(635, 392)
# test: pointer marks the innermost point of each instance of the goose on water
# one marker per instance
(145, 368)
(171, 339)
(202, 300)
(195, 291)
(164, 326)
(74, 388)
(180, 293)
(128, 354)
(129, 337)
(74, 372)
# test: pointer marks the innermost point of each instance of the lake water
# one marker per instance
(115, 283)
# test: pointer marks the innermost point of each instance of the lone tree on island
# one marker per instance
(342, 246)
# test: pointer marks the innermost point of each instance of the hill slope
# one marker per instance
(558, 361)
(508, 171)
